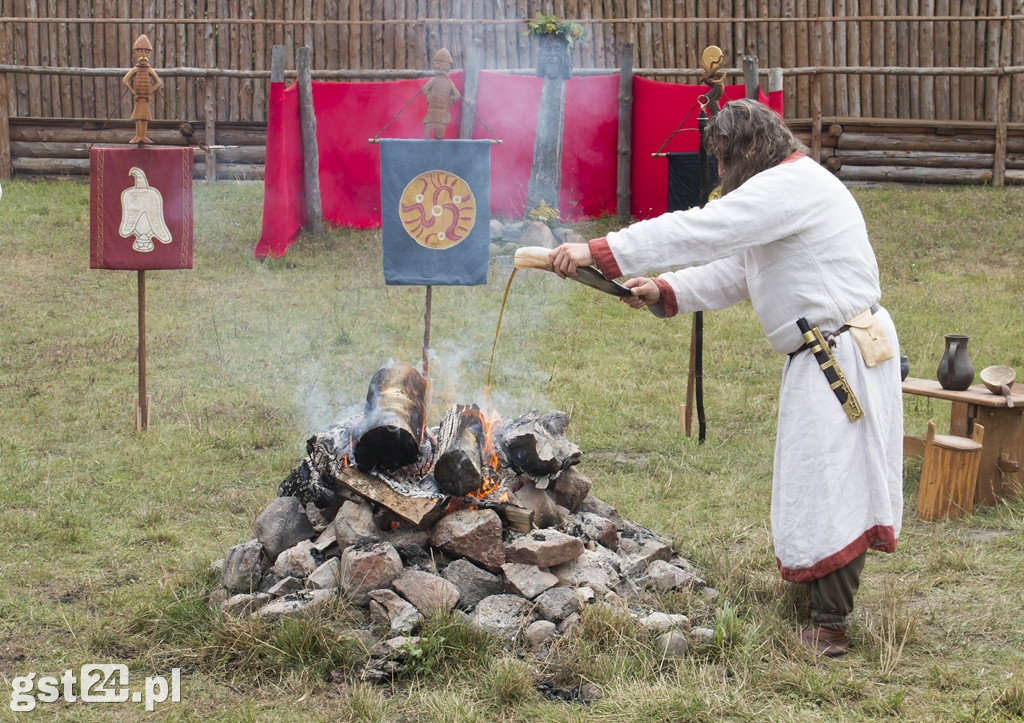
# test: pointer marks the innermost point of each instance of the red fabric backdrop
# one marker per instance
(658, 110)
(349, 114)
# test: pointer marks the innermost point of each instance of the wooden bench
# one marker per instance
(999, 471)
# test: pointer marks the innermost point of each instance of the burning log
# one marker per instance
(331, 449)
(459, 467)
(536, 445)
(392, 427)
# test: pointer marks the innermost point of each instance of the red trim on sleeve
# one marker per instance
(668, 298)
(604, 258)
(879, 537)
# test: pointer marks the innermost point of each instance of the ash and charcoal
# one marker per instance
(519, 557)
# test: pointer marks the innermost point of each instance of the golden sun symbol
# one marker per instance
(437, 209)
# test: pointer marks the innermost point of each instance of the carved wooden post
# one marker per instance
(624, 146)
(469, 87)
(310, 151)
(750, 80)
(546, 169)
(5, 130)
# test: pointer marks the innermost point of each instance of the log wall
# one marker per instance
(404, 34)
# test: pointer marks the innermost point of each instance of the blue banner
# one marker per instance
(435, 218)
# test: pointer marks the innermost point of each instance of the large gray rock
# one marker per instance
(663, 577)
(570, 488)
(541, 503)
(368, 567)
(602, 508)
(325, 576)
(243, 603)
(537, 233)
(558, 603)
(472, 534)
(432, 595)
(387, 607)
(243, 567)
(302, 601)
(544, 548)
(353, 523)
(527, 581)
(591, 569)
(472, 582)
(505, 616)
(283, 524)
(296, 561)
(599, 529)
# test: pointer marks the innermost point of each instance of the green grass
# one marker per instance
(106, 534)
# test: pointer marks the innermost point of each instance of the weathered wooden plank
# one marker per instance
(900, 54)
(942, 58)
(993, 35)
(879, 83)
(247, 87)
(927, 45)
(803, 57)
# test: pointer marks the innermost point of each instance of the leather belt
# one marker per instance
(831, 337)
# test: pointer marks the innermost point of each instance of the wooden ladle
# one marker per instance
(999, 379)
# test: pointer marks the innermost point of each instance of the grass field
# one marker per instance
(107, 534)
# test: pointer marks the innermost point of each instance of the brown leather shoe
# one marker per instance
(823, 641)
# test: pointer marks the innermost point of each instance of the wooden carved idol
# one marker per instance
(143, 82)
(441, 95)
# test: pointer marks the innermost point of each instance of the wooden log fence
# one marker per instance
(404, 34)
(928, 153)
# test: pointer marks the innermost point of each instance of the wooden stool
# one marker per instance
(949, 474)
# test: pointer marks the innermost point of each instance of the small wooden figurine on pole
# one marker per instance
(138, 195)
(441, 95)
(143, 81)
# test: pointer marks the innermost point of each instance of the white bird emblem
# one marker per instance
(142, 213)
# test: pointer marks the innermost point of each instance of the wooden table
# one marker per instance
(1003, 445)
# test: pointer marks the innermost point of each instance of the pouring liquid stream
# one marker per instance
(497, 330)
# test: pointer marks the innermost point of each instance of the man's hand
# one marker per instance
(645, 292)
(568, 256)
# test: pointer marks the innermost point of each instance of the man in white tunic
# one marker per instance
(790, 237)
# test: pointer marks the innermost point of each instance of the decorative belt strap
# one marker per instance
(830, 338)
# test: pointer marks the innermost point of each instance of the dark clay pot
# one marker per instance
(955, 370)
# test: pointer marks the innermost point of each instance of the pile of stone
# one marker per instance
(526, 587)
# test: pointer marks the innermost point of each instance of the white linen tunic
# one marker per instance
(793, 240)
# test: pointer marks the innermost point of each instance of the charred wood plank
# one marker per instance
(392, 428)
(421, 510)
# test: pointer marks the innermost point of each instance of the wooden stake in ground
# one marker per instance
(142, 399)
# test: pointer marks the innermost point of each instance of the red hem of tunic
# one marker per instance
(604, 258)
(880, 537)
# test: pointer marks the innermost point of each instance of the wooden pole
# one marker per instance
(310, 152)
(277, 64)
(623, 188)
(816, 117)
(426, 329)
(469, 87)
(750, 80)
(5, 130)
(142, 401)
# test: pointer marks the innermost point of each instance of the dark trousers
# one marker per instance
(832, 595)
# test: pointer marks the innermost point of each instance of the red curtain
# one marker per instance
(665, 121)
(350, 114)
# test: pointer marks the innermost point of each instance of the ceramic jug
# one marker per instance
(955, 370)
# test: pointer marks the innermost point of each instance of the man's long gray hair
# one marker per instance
(747, 137)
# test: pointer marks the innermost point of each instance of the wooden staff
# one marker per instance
(426, 329)
(142, 400)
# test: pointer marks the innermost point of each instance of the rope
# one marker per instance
(702, 102)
